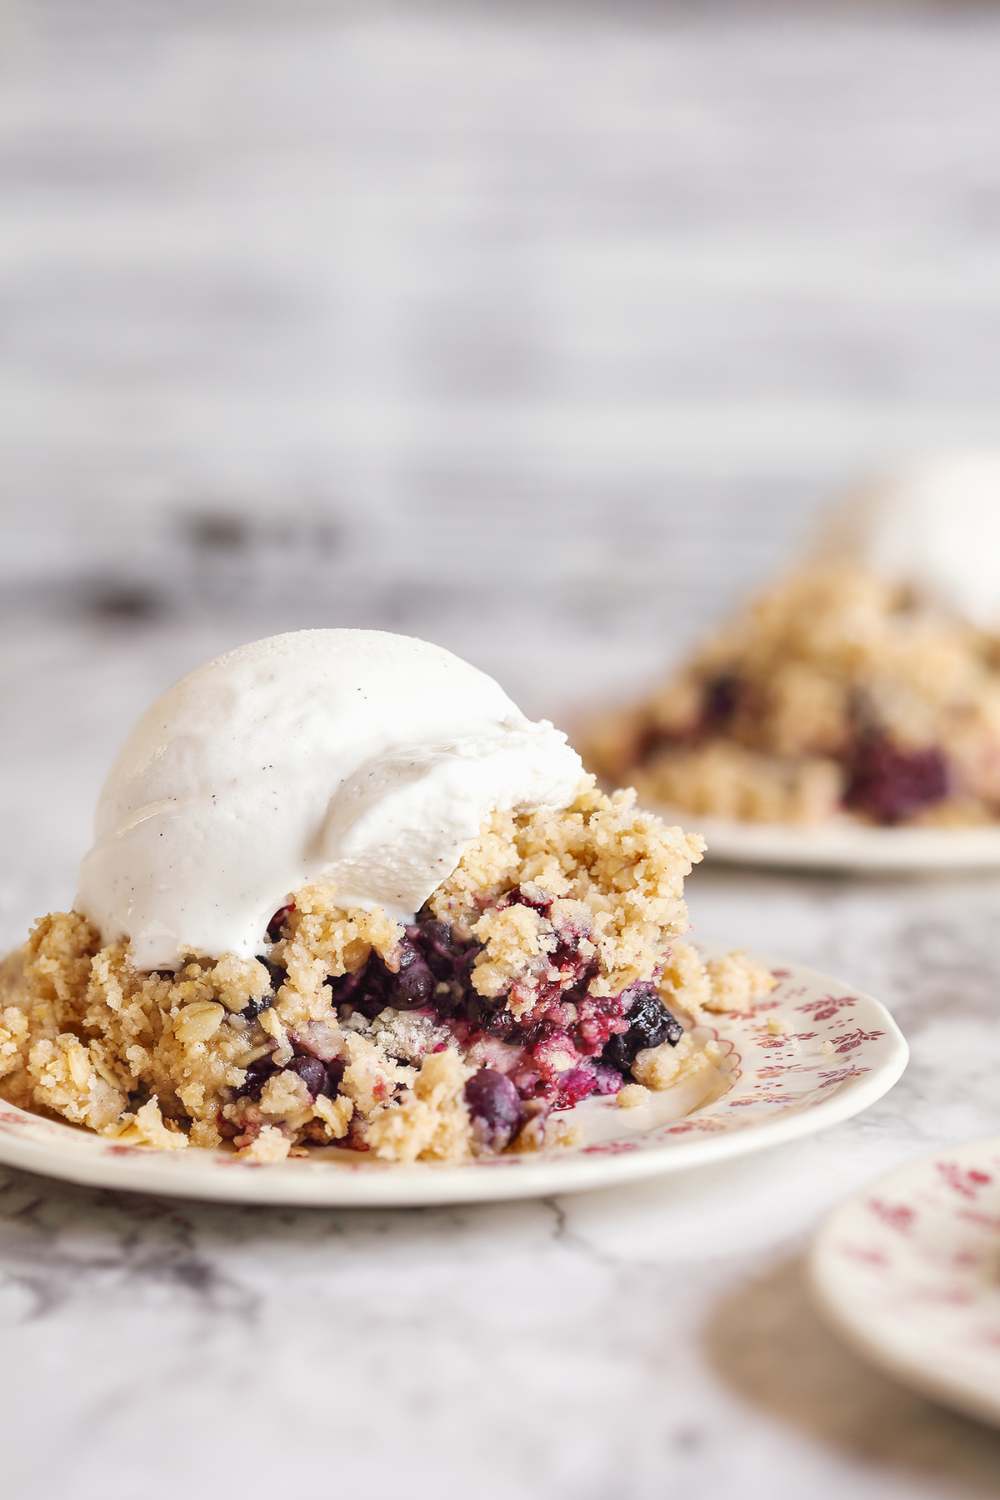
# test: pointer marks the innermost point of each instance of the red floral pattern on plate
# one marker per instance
(911, 1272)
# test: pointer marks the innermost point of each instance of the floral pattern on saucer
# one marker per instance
(909, 1271)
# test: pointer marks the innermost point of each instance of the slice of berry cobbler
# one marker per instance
(547, 968)
(836, 694)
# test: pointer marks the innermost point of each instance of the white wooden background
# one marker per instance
(539, 330)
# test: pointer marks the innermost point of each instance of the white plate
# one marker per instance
(810, 1055)
(843, 845)
(909, 1272)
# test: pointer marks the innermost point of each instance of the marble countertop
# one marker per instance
(541, 338)
(643, 1341)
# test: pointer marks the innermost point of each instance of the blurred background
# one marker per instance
(538, 330)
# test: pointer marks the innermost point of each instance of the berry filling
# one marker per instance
(649, 1024)
(722, 697)
(453, 1036)
(566, 1045)
(275, 928)
(884, 782)
(546, 1044)
(890, 784)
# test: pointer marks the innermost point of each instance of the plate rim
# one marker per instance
(842, 845)
(953, 1390)
(430, 1184)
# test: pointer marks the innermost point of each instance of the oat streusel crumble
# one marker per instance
(547, 968)
(837, 692)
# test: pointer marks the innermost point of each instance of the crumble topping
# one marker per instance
(836, 691)
(549, 967)
(632, 1095)
(147, 1127)
(430, 1121)
(13, 1036)
(617, 875)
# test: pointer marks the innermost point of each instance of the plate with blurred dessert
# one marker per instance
(351, 918)
(850, 715)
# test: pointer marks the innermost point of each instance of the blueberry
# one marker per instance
(257, 1075)
(721, 698)
(495, 1105)
(366, 990)
(345, 989)
(446, 958)
(619, 1055)
(650, 1023)
(276, 972)
(434, 969)
(253, 1008)
(491, 1016)
(413, 986)
(312, 1072)
(409, 951)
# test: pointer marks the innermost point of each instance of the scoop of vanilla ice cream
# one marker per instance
(934, 525)
(368, 759)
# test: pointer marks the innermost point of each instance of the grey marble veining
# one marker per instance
(540, 333)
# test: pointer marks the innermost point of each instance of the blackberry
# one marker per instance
(890, 784)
